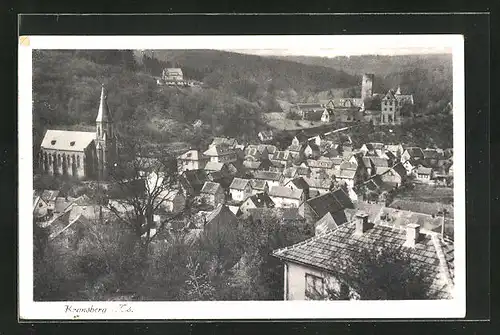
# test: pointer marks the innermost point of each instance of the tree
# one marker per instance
(380, 273)
(143, 182)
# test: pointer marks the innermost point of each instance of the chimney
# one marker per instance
(361, 223)
(412, 234)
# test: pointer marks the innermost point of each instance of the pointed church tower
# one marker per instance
(398, 92)
(105, 137)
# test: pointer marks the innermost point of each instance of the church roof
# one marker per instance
(67, 140)
(104, 115)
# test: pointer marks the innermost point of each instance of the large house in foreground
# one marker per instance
(81, 154)
(311, 266)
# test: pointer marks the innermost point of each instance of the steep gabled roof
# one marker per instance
(318, 183)
(379, 162)
(299, 183)
(67, 140)
(49, 195)
(325, 225)
(258, 184)
(415, 152)
(192, 155)
(218, 150)
(214, 166)
(222, 215)
(261, 200)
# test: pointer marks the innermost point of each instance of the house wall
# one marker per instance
(280, 202)
(246, 205)
(240, 195)
(295, 280)
(184, 165)
(224, 158)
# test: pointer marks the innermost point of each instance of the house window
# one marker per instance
(314, 287)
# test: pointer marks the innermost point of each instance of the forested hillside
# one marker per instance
(237, 90)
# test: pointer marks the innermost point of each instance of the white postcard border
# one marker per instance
(30, 310)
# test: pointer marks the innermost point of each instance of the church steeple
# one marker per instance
(398, 92)
(105, 136)
(103, 115)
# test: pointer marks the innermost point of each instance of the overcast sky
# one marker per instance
(344, 51)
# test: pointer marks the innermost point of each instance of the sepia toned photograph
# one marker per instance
(244, 174)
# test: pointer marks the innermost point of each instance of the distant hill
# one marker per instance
(377, 64)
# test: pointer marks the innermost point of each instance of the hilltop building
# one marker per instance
(81, 154)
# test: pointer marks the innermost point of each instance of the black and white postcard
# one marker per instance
(241, 177)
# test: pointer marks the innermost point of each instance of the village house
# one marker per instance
(252, 153)
(344, 110)
(174, 201)
(191, 160)
(368, 164)
(282, 159)
(412, 153)
(284, 215)
(224, 141)
(311, 150)
(308, 276)
(396, 149)
(272, 178)
(299, 184)
(395, 174)
(410, 166)
(212, 193)
(380, 165)
(321, 167)
(240, 189)
(332, 202)
(259, 186)
(299, 139)
(424, 174)
(220, 154)
(172, 74)
(259, 200)
(269, 148)
(376, 149)
(49, 197)
(221, 168)
(295, 151)
(253, 166)
(286, 197)
(309, 111)
(450, 170)
(431, 157)
(266, 136)
(321, 186)
(41, 210)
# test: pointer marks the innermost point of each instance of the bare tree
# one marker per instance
(141, 182)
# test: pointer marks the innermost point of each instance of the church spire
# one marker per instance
(103, 115)
(398, 92)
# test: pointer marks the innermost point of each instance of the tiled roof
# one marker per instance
(67, 140)
(325, 164)
(222, 215)
(348, 166)
(258, 184)
(318, 183)
(268, 175)
(261, 200)
(309, 106)
(299, 183)
(294, 148)
(398, 218)
(374, 146)
(399, 169)
(430, 208)
(326, 203)
(239, 184)
(213, 166)
(303, 171)
(290, 172)
(211, 187)
(325, 251)
(224, 141)
(346, 174)
(415, 152)
(286, 192)
(218, 150)
(192, 155)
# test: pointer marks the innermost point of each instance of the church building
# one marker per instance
(81, 154)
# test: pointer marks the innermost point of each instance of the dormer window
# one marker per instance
(53, 142)
(72, 143)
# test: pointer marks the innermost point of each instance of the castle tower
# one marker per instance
(367, 85)
(105, 137)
